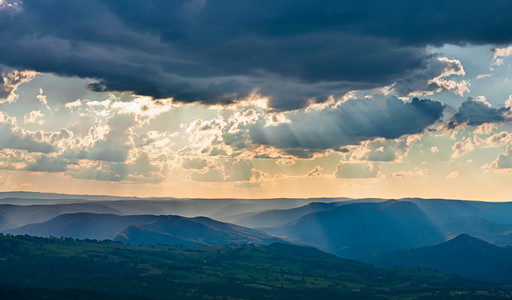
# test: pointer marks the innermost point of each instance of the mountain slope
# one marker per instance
(278, 217)
(6, 222)
(464, 256)
(200, 231)
(493, 232)
(362, 230)
(82, 226)
(29, 214)
(38, 211)
(443, 210)
(146, 229)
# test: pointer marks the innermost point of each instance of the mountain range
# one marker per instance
(146, 230)
(363, 230)
(432, 233)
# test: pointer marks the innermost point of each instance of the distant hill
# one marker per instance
(363, 230)
(49, 268)
(82, 226)
(278, 217)
(464, 256)
(352, 228)
(28, 214)
(23, 211)
(146, 230)
(199, 231)
(493, 232)
(42, 198)
(6, 222)
(491, 221)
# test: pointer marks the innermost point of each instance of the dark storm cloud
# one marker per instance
(474, 112)
(217, 51)
(351, 123)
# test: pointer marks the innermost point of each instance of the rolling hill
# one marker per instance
(363, 230)
(146, 230)
(271, 218)
(463, 255)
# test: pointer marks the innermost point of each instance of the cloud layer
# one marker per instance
(351, 123)
(220, 51)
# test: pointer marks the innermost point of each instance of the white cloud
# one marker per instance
(485, 128)
(42, 98)
(14, 137)
(437, 77)
(10, 80)
(462, 147)
(481, 76)
(508, 102)
(502, 52)
(453, 175)
(410, 173)
(358, 170)
(35, 117)
(14, 6)
(503, 161)
(315, 172)
(499, 54)
(498, 139)
(74, 104)
(483, 100)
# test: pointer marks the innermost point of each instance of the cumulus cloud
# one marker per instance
(194, 163)
(357, 170)
(109, 143)
(211, 175)
(499, 139)
(140, 170)
(410, 173)
(486, 128)
(9, 82)
(500, 53)
(508, 102)
(477, 112)
(229, 170)
(315, 172)
(11, 6)
(462, 147)
(115, 145)
(42, 98)
(503, 161)
(386, 150)
(220, 51)
(13, 137)
(436, 77)
(34, 116)
(452, 175)
(350, 123)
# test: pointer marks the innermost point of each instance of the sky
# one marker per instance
(257, 99)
